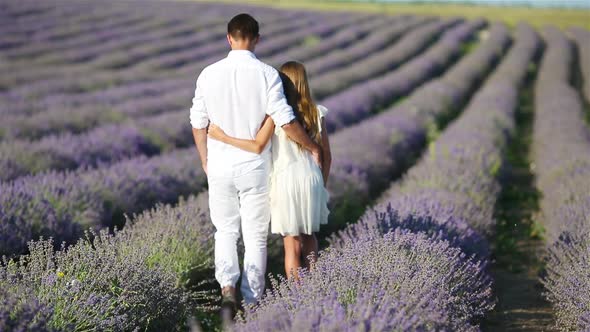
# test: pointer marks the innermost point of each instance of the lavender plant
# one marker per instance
(562, 166)
(453, 187)
(413, 282)
(63, 204)
(70, 75)
(76, 113)
(98, 284)
(360, 100)
(399, 132)
(150, 276)
(582, 38)
(374, 42)
(103, 145)
(20, 310)
(409, 45)
(80, 112)
(341, 40)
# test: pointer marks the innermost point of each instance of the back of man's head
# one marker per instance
(243, 27)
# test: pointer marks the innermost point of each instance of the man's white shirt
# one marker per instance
(236, 93)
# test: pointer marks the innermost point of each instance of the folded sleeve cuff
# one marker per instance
(198, 120)
(282, 119)
(322, 110)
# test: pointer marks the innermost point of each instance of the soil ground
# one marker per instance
(518, 244)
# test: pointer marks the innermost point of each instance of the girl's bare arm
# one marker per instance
(255, 146)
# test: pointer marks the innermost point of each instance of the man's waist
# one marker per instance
(234, 161)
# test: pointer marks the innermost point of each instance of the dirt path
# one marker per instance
(521, 306)
(518, 244)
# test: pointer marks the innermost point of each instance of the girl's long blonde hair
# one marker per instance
(296, 86)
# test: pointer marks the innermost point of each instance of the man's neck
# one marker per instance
(243, 49)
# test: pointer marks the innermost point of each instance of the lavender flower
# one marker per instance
(64, 204)
(412, 281)
(562, 165)
(146, 276)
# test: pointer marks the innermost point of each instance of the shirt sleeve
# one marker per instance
(199, 118)
(277, 108)
(322, 110)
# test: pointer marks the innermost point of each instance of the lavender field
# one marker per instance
(459, 189)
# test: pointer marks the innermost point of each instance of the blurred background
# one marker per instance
(464, 124)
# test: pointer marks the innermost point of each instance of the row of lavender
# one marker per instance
(419, 263)
(279, 23)
(111, 143)
(39, 124)
(380, 62)
(114, 96)
(196, 67)
(561, 152)
(180, 248)
(374, 35)
(118, 19)
(203, 51)
(83, 37)
(582, 38)
(26, 21)
(403, 128)
(63, 204)
(291, 34)
(361, 100)
(81, 111)
(135, 99)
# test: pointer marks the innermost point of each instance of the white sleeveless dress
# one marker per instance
(298, 198)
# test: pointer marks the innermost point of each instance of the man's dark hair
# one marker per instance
(243, 26)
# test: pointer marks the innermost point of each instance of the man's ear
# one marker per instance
(256, 40)
(229, 39)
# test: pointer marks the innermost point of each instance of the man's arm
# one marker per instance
(200, 136)
(199, 120)
(296, 132)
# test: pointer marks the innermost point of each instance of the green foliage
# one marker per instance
(519, 199)
(311, 40)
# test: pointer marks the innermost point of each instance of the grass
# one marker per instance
(537, 17)
(577, 81)
(519, 199)
(518, 241)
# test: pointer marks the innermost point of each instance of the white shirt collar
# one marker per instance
(241, 53)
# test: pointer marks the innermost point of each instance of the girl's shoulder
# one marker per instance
(322, 110)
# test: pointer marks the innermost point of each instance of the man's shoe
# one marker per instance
(229, 306)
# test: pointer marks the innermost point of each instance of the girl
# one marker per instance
(298, 195)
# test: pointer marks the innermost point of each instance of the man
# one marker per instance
(236, 93)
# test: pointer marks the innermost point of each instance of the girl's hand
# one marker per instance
(216, 133)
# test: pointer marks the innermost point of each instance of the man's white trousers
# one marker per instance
(241, 201)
